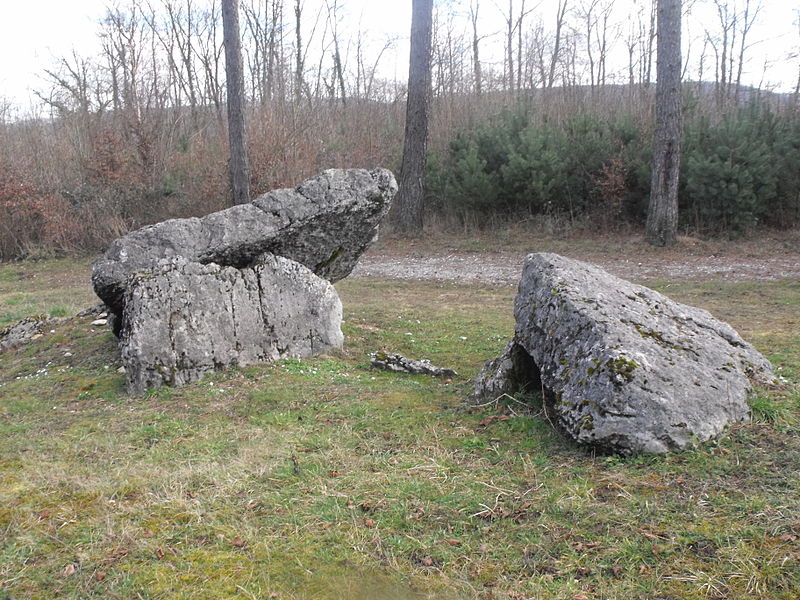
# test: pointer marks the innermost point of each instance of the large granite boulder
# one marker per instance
(624, 368)
(185, 319)
(325, 223)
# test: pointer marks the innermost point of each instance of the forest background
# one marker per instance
(542, 112)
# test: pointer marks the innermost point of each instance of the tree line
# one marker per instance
(139, 133)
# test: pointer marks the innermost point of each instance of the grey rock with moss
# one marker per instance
(397, 363)
(244, 285)
(23, 331)
(325, 223)
(185, 319)
(624, 369)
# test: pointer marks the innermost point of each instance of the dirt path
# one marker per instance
(748, 262)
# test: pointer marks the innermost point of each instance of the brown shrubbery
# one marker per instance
(76, 182)
(31, 220)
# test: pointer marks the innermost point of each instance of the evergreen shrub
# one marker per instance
(738, 172)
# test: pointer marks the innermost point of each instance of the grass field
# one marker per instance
(325, 479)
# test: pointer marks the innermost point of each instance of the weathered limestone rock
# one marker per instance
(244, 285)
(397, 363)
(325, 223)
(184, 319)
(35, 326)
(626, 369)
(23, 331)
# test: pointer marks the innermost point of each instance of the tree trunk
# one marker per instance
(562, 9)
(510, 45)
(662, 213)
(238, 166)
(408, 207)
(522, 15)
(476, 61)
(299, 66)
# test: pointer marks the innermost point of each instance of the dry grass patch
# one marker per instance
(323, 478)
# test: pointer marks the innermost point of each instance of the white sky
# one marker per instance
(34, 33)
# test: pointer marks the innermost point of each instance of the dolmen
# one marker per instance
(623, 369)
(249, 284)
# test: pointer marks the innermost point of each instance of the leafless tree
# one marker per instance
(131, 50)
(630, 46)
(651, 38)
(556, 53)
(367, 72)
(730, 42)
(6, 110)
(749, 17)
(589, 17)
(338, 67)
(449, 51)
(474, 7)
(299, 64)
(723, 47)
(210, 48)
(605, 38)
(302, 46)
(71, 88)
(701, 63)
(509, 64)
(514, 27)
(596, 15)
(182, 30)
(520, 28)
(263, 20)
(797, 85)
(642, 36)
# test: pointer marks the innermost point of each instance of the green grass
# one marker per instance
(325, 479)
(59, 287)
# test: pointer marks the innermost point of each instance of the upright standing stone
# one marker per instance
(184, 319)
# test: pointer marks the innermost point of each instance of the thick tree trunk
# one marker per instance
(409, 203)
(238, 166)
(662, 213)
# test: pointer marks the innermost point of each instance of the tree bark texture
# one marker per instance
(409, 202)
(662, 212)
(238, 166)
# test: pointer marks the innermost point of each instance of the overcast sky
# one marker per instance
(34, 33)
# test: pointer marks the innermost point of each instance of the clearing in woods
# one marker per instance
(323, 478)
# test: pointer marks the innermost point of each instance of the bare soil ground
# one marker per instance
(497, 260)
